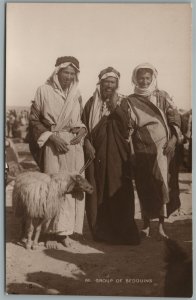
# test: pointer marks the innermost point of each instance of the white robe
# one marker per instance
(62, 113)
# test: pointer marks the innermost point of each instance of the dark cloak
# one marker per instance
(110, 209)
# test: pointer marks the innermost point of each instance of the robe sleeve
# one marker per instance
(37, 128)
(173, 117)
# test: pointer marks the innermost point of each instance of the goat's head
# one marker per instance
(73, 184)
(78, 185)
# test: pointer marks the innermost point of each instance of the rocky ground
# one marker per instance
(90, 268)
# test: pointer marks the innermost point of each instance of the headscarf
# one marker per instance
(108, 72)
(70, 59)
(71, 95)
(61, 63)
(152, 87)
(97, 111)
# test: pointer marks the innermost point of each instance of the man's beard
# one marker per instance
(66, 85)
(107, 95)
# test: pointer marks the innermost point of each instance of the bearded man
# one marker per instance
(110, 209)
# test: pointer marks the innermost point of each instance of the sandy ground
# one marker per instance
(90, 268)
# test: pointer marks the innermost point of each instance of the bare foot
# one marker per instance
(23, 240)
(161, 236)
(145, 232)
(35, 246)
(66, 241)
(51, 245)
(28, 245)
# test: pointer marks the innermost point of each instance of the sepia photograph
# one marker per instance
(98, 149)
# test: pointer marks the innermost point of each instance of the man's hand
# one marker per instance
(59, 144)
(80, 134)
(89, 149)
(169, 147)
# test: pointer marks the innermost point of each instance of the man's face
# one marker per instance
(144, 79)
(66, 76)
(108, 87)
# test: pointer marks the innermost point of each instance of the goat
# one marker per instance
(37, 198)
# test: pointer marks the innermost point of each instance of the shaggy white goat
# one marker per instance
(37, 198)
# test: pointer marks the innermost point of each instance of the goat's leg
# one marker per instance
(23, 235)
(30, 229)
(49, 238)
(45, 225)
(39, 223)
(45, 230)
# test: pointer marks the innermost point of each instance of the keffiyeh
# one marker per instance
(99, 107)
(152, 87)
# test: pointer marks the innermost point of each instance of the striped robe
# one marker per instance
(156, 175)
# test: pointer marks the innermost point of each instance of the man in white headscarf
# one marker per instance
(155, 128)
(110, 209)
(55, 134)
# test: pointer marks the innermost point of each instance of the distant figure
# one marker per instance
(23, 118)
(110, 209)
(155, 130)
(190, 147)
(187, 132)
(11, 122)
(13, 167)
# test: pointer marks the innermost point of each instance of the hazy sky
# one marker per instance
(99, 35)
